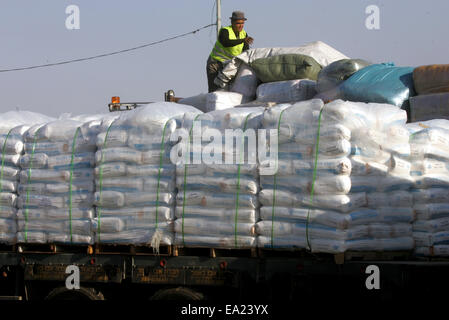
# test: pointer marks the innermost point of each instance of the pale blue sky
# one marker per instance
(411, 33)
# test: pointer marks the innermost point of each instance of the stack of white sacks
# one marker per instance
(430, 167)
(135, 178)
(57, 183)
(345, 188)
(286, 91)
(217, 180)
(11, 147)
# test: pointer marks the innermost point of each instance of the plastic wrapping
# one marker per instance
(220, 100)
(321, 52)
(338, 220)
(382, 83)
(245, 83)
(286, 91)
(199, 101)
(217, 203)
(429, 142)
(337, 72)
(286, 67)
(57, 177)
(13, 125)
(342, 180)
(135, 178)
(429, 106)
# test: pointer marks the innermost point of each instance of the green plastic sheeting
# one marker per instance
(286, 67)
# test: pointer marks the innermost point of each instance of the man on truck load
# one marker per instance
(232, 41)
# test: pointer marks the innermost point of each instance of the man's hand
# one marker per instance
(249, 40)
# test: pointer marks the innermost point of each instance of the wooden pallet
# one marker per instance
(283, 253)
(433, 257)
(340, 258)
(104, 248)
(53, 248)
(214, 252)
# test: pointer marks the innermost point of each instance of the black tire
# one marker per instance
(177, 294)
(82, 294)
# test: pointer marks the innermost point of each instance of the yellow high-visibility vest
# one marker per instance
(221, 53)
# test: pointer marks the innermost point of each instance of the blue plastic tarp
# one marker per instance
(381, 83)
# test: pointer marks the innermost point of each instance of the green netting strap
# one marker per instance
(28, 183)
(312, 189)
(159, 171)
(185, 178)
(275, 186)
(101, 182)
(3, 161)
(71, 181)
(237, 202)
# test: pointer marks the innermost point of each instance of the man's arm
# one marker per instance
(223, 37)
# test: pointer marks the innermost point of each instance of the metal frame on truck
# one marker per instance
(128, 272)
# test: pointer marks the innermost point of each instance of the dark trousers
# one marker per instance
(213, 67)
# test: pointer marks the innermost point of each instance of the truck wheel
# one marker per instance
(177, 294)
(82, 294)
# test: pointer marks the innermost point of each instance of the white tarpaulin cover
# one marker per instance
(321, 52)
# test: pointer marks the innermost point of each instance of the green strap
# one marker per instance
(159, 172)
(3, 161)
(237, 202)
(71, 181)
(275, 186)
(28, 184)
(312, 191)
(101, 182)
(185, 179)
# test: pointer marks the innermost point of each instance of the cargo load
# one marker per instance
(334, 74)
(245, 83)
(56, 190)
(286, 67)
(286, 91)
(134, 177)
(322, 53)
(429, 141)
(381, 83)
(431, 79)
(342, 181)
(217, 204)
(13, 125)
(217, 100)
(429, 106)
